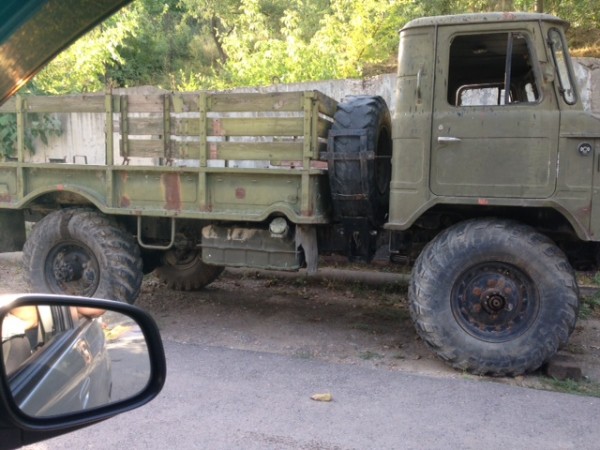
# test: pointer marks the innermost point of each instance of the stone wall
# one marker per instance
(587, 71)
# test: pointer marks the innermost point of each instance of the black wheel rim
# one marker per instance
(71, 268)
(495, 302)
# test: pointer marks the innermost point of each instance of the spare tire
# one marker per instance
(359, 159)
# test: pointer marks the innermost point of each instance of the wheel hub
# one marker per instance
(494, 301)
(67, 269)
(71, 268)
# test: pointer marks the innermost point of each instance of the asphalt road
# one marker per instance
(218, 398)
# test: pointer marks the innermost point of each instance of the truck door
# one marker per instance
(495, 132)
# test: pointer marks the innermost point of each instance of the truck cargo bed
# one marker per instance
(199, 155)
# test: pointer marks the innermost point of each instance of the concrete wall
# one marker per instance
(84, 133)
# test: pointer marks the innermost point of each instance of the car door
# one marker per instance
(69, 369)
(487, 140)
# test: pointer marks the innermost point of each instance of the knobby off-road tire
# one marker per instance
(186, 272)
(369, 179)
(493, 297)
(83, 252)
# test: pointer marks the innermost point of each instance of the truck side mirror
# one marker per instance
(67, 362)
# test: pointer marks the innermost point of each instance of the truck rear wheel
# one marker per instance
(186, 271)
(82, 252)
(493, 297)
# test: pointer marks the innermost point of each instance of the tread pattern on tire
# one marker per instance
(191, 279)
(369, 113)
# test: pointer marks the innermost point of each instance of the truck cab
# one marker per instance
(488, 117)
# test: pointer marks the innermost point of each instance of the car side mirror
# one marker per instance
(67, 362)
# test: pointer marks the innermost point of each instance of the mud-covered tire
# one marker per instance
(79, 251)
(493, 297)
(361, 188)
(186, 272)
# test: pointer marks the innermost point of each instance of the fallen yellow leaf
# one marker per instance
(322, 397)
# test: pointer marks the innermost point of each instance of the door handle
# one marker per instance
(448, 139)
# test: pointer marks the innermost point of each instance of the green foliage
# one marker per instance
(274, 41)
(39, 126)
(162, 42)
(590, 305)
(217, 44)
(82, 67)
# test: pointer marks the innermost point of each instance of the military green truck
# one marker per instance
(487, 178)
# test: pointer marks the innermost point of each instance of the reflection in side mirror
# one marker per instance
(60, 359)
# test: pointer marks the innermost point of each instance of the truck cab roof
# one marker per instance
(478, 18)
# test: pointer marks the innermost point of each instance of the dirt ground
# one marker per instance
(335, 320)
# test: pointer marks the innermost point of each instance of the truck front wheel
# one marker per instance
(493, 297)
(80, 251)
(185, 270)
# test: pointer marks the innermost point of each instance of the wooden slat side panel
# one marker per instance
(184, 150)
(327, 105)
(248, 151)
(146, 148)
(257, 151)
(145, 126)
(234, 127)
(256, 102)
(58, 104)
(145, 103)
(9, 106)
(65, 104)
(184, 102)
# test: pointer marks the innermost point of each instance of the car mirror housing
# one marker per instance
(68, 362)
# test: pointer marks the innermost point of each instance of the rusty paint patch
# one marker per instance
(125, 201)
(240, 193)
(172, 190)
(584, 213)
(217, 127)
(483, 202)
(5, 198)
(214, 153)
(60, 187)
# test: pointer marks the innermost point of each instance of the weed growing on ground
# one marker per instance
(369, 355)
(589, 307)
(586, 388)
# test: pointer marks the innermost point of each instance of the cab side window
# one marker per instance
(491, 69)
